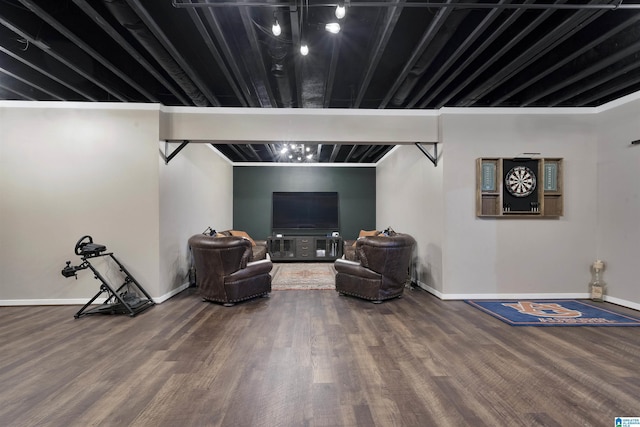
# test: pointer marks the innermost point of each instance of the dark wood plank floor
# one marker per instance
(311, 358)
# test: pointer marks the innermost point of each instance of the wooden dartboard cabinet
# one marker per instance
(519, 187)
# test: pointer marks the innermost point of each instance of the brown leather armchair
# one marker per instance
(225, 272)
(382, 269)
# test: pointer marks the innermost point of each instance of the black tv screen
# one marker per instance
(305, 210)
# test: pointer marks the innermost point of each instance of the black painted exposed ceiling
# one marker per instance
(391, 54)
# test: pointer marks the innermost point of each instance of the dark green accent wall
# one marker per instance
(254, 185)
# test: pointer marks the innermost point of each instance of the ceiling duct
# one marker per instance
(280, 72)
(131, 21)
(278, 50)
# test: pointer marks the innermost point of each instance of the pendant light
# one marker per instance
(275, 29)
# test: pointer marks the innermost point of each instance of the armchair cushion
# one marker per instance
(258, 247)
(349, 249)
(365, 233)
(242, 234)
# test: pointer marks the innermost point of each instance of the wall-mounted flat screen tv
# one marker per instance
(296, 210)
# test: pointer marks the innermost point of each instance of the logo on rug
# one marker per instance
(543, 309)
(553, 313)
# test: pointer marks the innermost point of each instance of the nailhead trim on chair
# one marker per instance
(235, 300)
(369, 298)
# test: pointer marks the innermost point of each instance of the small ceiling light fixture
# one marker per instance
(275, 29)
(304, 48)
(340, 10)
(332, 27)
(296, 153)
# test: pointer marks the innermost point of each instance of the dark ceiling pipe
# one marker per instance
(442, 4)
(280, 64)
(281, 74)
(131, 21)
(296, 19)
(331, 74)
(255, 47)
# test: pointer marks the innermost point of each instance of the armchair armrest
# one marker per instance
(253, 268)
(355, 269)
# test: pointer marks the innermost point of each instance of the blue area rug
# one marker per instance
(552, 313)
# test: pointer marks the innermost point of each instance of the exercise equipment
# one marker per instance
(124, 300)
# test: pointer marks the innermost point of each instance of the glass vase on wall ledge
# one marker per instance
(597, 286)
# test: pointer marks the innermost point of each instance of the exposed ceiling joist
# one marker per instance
(185, 66)
(428, 36)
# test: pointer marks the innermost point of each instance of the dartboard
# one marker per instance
(520, 181)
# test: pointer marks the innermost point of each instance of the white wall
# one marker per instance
(68, 170)
(618, 201)
(485, 257)
(409, 198)
(196, 191)
(462, 256)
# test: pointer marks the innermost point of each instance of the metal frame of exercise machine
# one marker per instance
(124, 299)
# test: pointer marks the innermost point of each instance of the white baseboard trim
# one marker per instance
(68, 301)
(429, 289)
(171, 293)
(515, 296)
(444, 297)
(83, 301)
(585, 295)
(622, 302)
